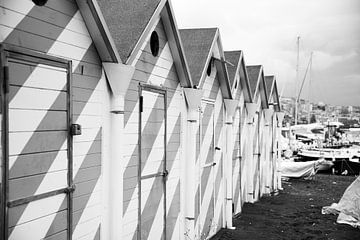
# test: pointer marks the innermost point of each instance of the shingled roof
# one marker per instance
(233, 57)
(126, 20)
(269, 83)
(197, 45)
(253, 73)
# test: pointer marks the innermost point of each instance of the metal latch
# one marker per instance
(75, 129)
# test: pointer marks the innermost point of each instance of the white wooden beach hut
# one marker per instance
(269, 168)
(54, 99)
(274, 149)
(241, 93)
(78, 144)
(255, 156)
(147, 37)
(204, 53)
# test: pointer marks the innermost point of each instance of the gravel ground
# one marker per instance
(295, 213)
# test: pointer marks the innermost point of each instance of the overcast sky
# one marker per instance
(266, 30)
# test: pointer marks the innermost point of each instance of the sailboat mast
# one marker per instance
(297, 78)
(309, 113)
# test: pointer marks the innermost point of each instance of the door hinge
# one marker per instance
(141, 102)
(164, 174)
(71, 189)
(6, 79)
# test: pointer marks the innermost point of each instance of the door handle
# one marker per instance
(217, 148)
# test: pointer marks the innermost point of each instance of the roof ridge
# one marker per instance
(201, 28)
(233, 51)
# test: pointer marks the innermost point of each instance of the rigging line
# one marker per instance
(302, 84)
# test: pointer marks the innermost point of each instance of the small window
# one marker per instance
(40, 2)
(208, 71)
(154, 44)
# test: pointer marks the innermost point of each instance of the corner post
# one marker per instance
(230, 107)
(119, 77)
(267, 185)
(193, 102)
(280, 117)
(251, 109)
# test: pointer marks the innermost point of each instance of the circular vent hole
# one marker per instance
(40, 2)
(154, 44)
(209, 68)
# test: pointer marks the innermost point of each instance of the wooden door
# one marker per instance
(152, 166)
(36, 146)
(207, 164)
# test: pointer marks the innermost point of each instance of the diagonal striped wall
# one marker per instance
(210, 190)
(244, 145)
(56, 29)
(267, 171)
(262, 172)
(250, 160)
(237, 160)
(257, 141)
(157, 71)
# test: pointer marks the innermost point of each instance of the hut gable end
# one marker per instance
(127, 20)
(238, 76)
(203, 50)
(131, 23)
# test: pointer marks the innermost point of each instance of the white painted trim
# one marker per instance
(268, 113)
(230, 107)
(119, 77)
(193, 100)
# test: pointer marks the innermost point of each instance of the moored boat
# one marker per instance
(346, 160)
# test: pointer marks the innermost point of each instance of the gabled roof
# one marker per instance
(272, 92)
(233, 57)
(276, 97)
(257, 84)
(197, 44)
(98, 30)
(254, 77)
(127, 20)
(237, 59)
(269, 82)
(130, 22)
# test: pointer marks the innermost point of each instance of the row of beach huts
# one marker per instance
(115, 124)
